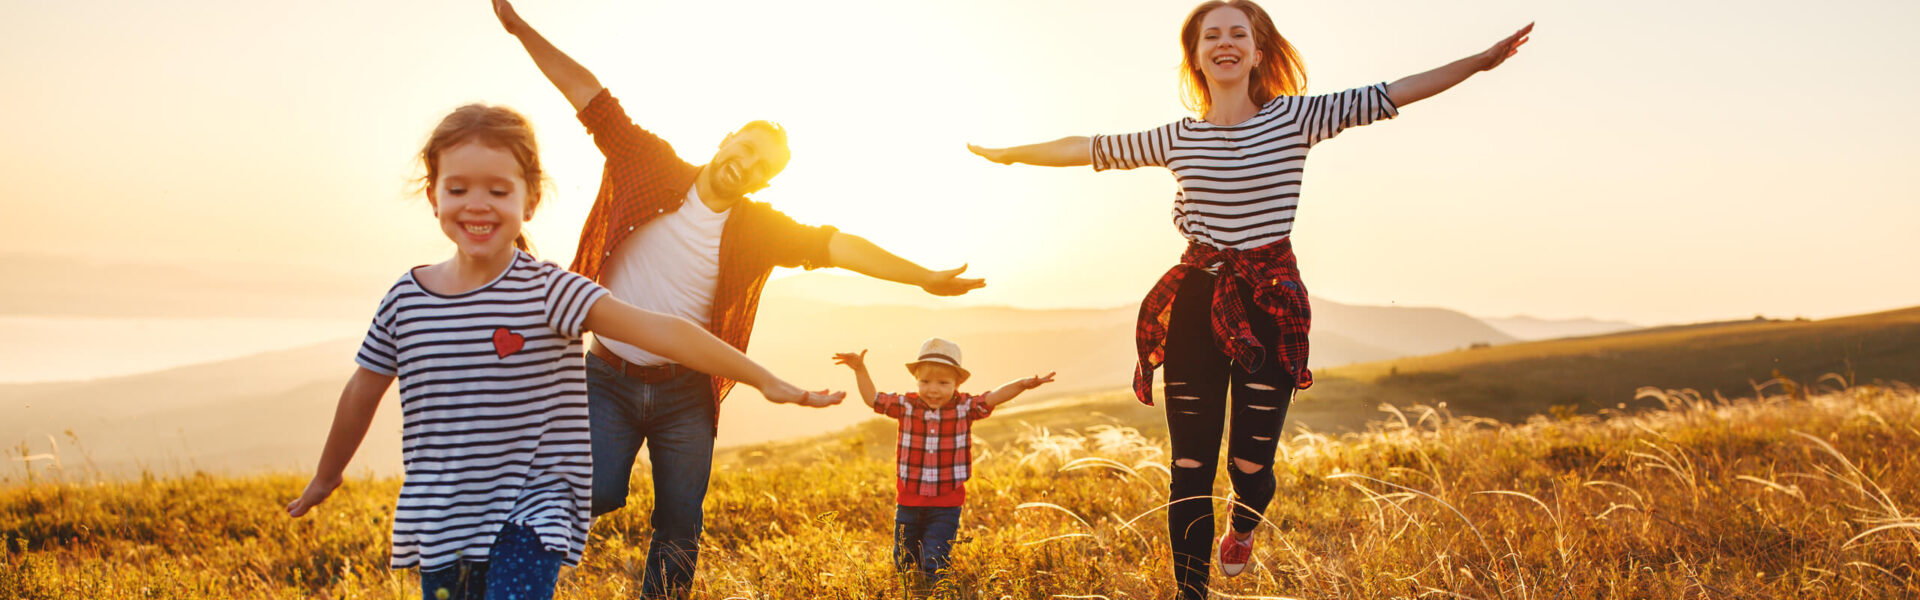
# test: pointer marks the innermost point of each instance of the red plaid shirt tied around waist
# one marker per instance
(1273, 277)
(935, 444)
(645, 179)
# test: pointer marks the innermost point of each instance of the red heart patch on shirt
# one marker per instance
(506, 342)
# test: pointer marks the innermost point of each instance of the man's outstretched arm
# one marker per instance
(574, 80)
(855, 253)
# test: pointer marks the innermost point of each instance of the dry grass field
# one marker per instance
(1804, 491)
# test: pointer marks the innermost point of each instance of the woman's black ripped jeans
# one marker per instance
(1197, 377)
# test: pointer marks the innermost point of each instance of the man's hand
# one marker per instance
(509, 19)
(950, 283)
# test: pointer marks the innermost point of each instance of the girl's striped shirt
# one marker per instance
(1240, 184)
(493, 397)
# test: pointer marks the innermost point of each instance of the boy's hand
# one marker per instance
(857, 362)
(1036, 381)
(316, 492)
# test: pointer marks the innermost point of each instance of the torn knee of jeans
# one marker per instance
(1259, 407)
(1187, 463)
(1262, 438)
(1186, 397)
(1260, 386)
(1189, 412)
(1247, 466)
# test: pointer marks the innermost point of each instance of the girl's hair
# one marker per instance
(1280, 73)
(496, 126)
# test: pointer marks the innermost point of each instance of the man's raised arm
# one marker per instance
(574, 80)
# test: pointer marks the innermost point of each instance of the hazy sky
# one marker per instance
(1640, 160)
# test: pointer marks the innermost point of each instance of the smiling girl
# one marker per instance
(487, 348)
(1233, 313)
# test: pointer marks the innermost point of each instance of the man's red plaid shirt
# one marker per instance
(1278, 294)
(645, 179)
(935, 445)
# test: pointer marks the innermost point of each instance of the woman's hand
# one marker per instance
(1500, 52)
(316, 492)
(998, 155)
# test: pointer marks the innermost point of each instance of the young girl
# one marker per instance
(1234, 311)
(492, 380)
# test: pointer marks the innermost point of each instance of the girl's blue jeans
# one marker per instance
(518, 567)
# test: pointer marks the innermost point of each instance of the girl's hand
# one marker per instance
(1500, 52)
(317, 492)
(787, 393)
(857, 362)
(508, 19)
(1036, 381)
(998, 155)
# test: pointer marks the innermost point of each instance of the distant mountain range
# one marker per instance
(272, 410)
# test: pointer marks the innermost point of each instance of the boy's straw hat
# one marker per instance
(940, 352)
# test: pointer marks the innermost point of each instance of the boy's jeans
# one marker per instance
(676, 416)
(922, 537)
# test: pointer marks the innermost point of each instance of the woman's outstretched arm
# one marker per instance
(1414, 88)
(1076, 151)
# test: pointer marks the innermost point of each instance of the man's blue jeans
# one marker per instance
(677, 418)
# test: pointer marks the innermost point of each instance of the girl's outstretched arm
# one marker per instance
(1414, 88)
(862, 380)
(574, 80)
(1013, 388)
(350, 422)
(1075, 151)
(686, 343)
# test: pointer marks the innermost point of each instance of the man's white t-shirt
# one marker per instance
(671, 265)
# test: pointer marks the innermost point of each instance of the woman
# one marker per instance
(1233, 312)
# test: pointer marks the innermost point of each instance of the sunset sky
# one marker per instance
(1648, 161)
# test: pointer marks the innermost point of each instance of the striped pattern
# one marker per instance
(1240, 184)
(493, 397)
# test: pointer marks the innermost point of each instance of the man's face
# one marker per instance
(746, 161)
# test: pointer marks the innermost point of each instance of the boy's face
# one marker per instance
(936, 383)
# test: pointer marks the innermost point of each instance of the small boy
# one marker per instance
(935, 453)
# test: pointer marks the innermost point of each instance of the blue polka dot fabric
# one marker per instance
(518, 567)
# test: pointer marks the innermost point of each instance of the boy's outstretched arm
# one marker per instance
(686, 343)
(1013, 388)
(858, 362)
(574, 80)
(855, 253)
(350, 422)
(1414, 88)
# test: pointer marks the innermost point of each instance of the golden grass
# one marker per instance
(1809, 494)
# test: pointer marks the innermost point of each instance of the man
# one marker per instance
(684, 240)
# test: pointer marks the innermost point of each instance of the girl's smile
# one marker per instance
(481, 199)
